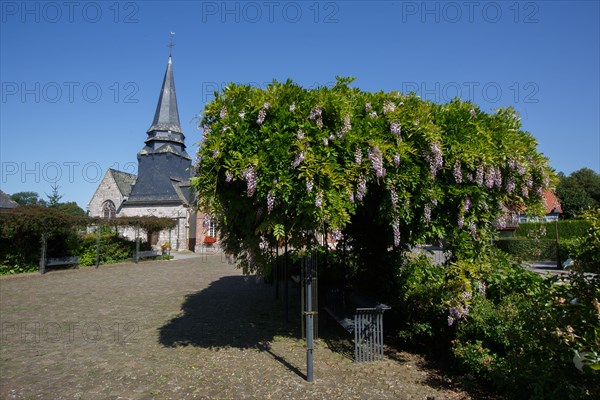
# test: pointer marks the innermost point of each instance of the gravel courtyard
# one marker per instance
(193, 328)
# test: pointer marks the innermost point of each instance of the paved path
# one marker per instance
(190, 328)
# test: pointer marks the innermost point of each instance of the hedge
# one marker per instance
(530, 250)
(571, 229)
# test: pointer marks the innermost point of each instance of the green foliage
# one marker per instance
(54, 197)
(579, 191)
(321, 160)
(28, 199)
(112, 249)
(568, 229)
(586, 249)
(71, 208)
(528, 249)
(525, 336)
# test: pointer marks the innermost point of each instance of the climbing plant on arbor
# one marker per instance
(289, 161)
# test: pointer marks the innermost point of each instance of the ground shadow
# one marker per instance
(233, 311)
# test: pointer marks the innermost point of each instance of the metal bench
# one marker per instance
(364, 320)
(60, 261)
(146, 254)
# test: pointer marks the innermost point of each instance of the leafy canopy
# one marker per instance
(291, 161)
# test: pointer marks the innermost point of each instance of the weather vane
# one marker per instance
(171, 44)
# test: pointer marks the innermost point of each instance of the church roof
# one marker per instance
(166, 117)
(123, 180)
(6, 201)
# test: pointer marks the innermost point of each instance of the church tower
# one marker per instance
(163, 163)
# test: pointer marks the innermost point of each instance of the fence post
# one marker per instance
(98, 247)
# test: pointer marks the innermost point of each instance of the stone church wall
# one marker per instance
(181, 237)
(107, 190)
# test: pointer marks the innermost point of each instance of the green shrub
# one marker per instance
(528, 249)
(570, 229)
(112, 249)
(586, 249)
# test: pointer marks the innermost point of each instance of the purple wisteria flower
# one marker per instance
(461, 221)
(228, 176)
(347, 125)
(466, 295)
(376, 159)
(351, 196)
(242, 114)
(524, 191)
(467, 205)
(266, 105)
(373, 114)
(223, 112)
(396, 229)
(250, 177)
(473, 112)
(388, 107)
(427, 213)
(316, 115)
(520, 168)
(367, 107)
(319, 200)
(479, 175)
(450, 320)
(457, 172)
(396, 128)
(270, 201)
(261, 116)
(292, 106)
(393, 197)
(300, 134)
(358, 156)
(482, 289)
(325, 142)
(298, 160)
(529, 181)
(490, 177)
(498, 177)
(309, 185)
(510, 185)
(362, 188)
(511, 164)
(397, 160)
(472, 228)
(434, 158)
(215, 153)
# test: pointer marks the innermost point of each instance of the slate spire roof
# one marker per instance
(163, 159)
(166, 117)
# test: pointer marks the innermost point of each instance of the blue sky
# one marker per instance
(80, 80)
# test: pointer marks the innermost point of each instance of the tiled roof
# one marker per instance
(552, 202)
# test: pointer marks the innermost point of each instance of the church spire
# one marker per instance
(166, 117)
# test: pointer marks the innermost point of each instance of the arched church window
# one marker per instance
(108, 209)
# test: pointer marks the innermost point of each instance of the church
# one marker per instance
(162, 187)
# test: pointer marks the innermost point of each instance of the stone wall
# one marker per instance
(181, 237)
(107, 190)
